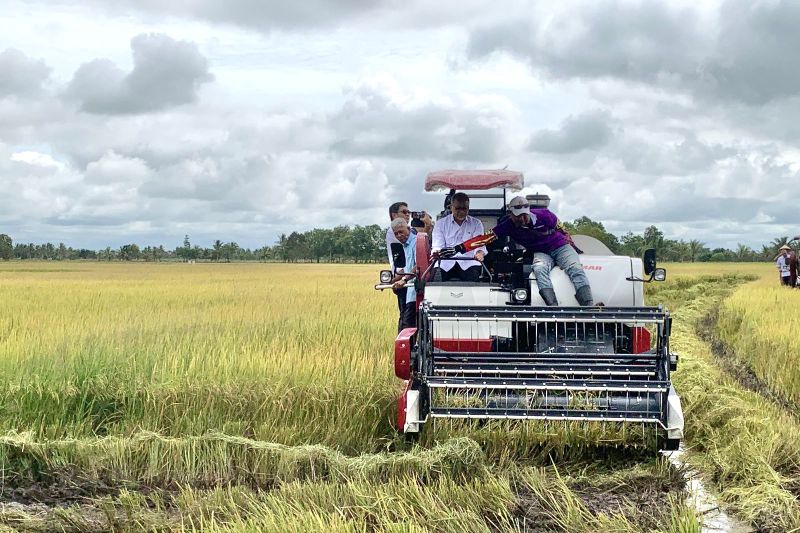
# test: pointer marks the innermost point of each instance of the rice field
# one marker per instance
(761, 325)
(260, 397)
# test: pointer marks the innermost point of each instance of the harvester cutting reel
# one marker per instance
(607, 365)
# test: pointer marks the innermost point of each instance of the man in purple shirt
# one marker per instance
(535, 229)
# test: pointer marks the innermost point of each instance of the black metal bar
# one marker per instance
(529, 356)
(543, 414)
(632, 314)
(582, 370)
(551, 384)
(566, 365)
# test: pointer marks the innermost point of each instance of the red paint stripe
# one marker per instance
(464, 345)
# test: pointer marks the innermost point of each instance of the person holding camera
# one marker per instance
(454, 229)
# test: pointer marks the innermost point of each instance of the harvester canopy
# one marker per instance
(474, 180)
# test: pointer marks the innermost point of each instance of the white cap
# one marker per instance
(519, 205)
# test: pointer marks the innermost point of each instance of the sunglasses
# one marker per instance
(525, 206)
(404, 211)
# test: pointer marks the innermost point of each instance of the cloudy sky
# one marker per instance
(144, 120)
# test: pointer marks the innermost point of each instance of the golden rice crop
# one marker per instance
(199, 375)
(285, 353)
(760, 325)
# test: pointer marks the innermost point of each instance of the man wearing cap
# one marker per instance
(536, 230)
(783, 265)
(453, 229)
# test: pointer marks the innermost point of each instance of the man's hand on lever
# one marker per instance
(446, 253)
(466, 246)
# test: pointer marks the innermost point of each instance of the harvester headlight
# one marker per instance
(386, 276)
(659, 274)
(520, 295)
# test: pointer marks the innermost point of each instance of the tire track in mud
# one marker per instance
(731, 365)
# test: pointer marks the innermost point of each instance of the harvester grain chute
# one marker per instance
(492, 350)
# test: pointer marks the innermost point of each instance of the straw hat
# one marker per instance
(785, 247)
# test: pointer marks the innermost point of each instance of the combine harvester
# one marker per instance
(492, 350)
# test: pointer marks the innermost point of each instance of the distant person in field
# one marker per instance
(782, 264)
(454, 229)
(402, 280)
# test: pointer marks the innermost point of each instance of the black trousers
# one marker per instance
(408, 316)
(401, 309)
(457, 273)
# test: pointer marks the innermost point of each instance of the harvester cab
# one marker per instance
(492, 349)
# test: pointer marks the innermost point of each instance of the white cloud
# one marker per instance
(21, 75)
(166, 73)
(632, 113)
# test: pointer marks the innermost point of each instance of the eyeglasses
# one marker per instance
(404, 211)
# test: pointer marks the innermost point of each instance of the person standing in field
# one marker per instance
(404, 281)
(782, 264)
(456, 228)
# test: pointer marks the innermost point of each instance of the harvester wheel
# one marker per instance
(411, 437)
(668, 445)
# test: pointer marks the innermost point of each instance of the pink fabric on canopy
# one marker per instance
(474, 180)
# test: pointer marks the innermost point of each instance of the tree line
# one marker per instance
(673, 250)
(366, 244)
(342, 244)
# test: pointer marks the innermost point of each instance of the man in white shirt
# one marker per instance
(454, 229)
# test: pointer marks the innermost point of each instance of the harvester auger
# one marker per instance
(492, 350)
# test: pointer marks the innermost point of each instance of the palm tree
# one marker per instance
(743, 252)
(775, 246)
(695, 247)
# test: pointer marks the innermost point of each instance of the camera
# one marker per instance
(417, 214)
